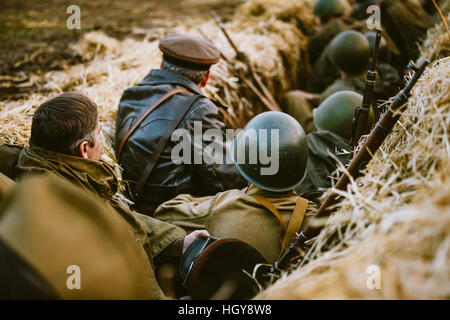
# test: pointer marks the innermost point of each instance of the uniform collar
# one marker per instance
(159, 76)
(96, 176)
(254, 190)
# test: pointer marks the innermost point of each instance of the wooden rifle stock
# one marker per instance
(358, 163)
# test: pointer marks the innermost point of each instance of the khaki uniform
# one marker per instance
(98, 177)
(155, 237)
(60, 232)
(9, 154)
(5, 185)
(235, 214)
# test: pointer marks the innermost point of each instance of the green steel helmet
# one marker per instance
(350, 52)
(336, 113)
(271, 152)
(383, 50)
(329, 8)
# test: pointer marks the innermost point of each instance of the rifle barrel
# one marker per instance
(362, 113)
(374, 141)
(224, 31)
(263, 93)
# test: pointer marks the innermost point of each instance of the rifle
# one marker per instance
(263, 93)
(374, 141)
(362, 113)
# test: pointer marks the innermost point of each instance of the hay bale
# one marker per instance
(297, 12)
(437, 44)
(410, 246)
(385, 219)
(273, 46)
(275, 49)
(396, 216)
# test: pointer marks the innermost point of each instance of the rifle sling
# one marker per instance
(295, 223)
(163, 142)
(288, 233)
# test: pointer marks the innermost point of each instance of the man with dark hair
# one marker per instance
(78, 134)
(167, 99)
(66, 141)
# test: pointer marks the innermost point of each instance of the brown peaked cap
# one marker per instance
(190, 49)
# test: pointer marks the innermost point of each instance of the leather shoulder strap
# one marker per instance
(287, 233)
(144, 115)
(162, 144)
(269, 206)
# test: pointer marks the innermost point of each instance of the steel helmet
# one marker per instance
(350, 52)
(327, 8)
(336, 113)
(271, 152)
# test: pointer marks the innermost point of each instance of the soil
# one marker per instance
(34, 38)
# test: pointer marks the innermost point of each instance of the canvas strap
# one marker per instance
(288, 233)
(295, 223)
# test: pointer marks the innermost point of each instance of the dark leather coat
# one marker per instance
(169, 179)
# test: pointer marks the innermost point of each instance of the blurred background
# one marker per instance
(34, 37)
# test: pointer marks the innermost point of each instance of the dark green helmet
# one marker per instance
(350, 52)
(336, 113)
(383, 50)
(271, 152)
(329, 8)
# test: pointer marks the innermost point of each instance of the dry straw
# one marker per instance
(271, 40)
(397, 216)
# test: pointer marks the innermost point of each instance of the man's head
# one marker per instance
(199, 77)
(68, 124)
(189, 56)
